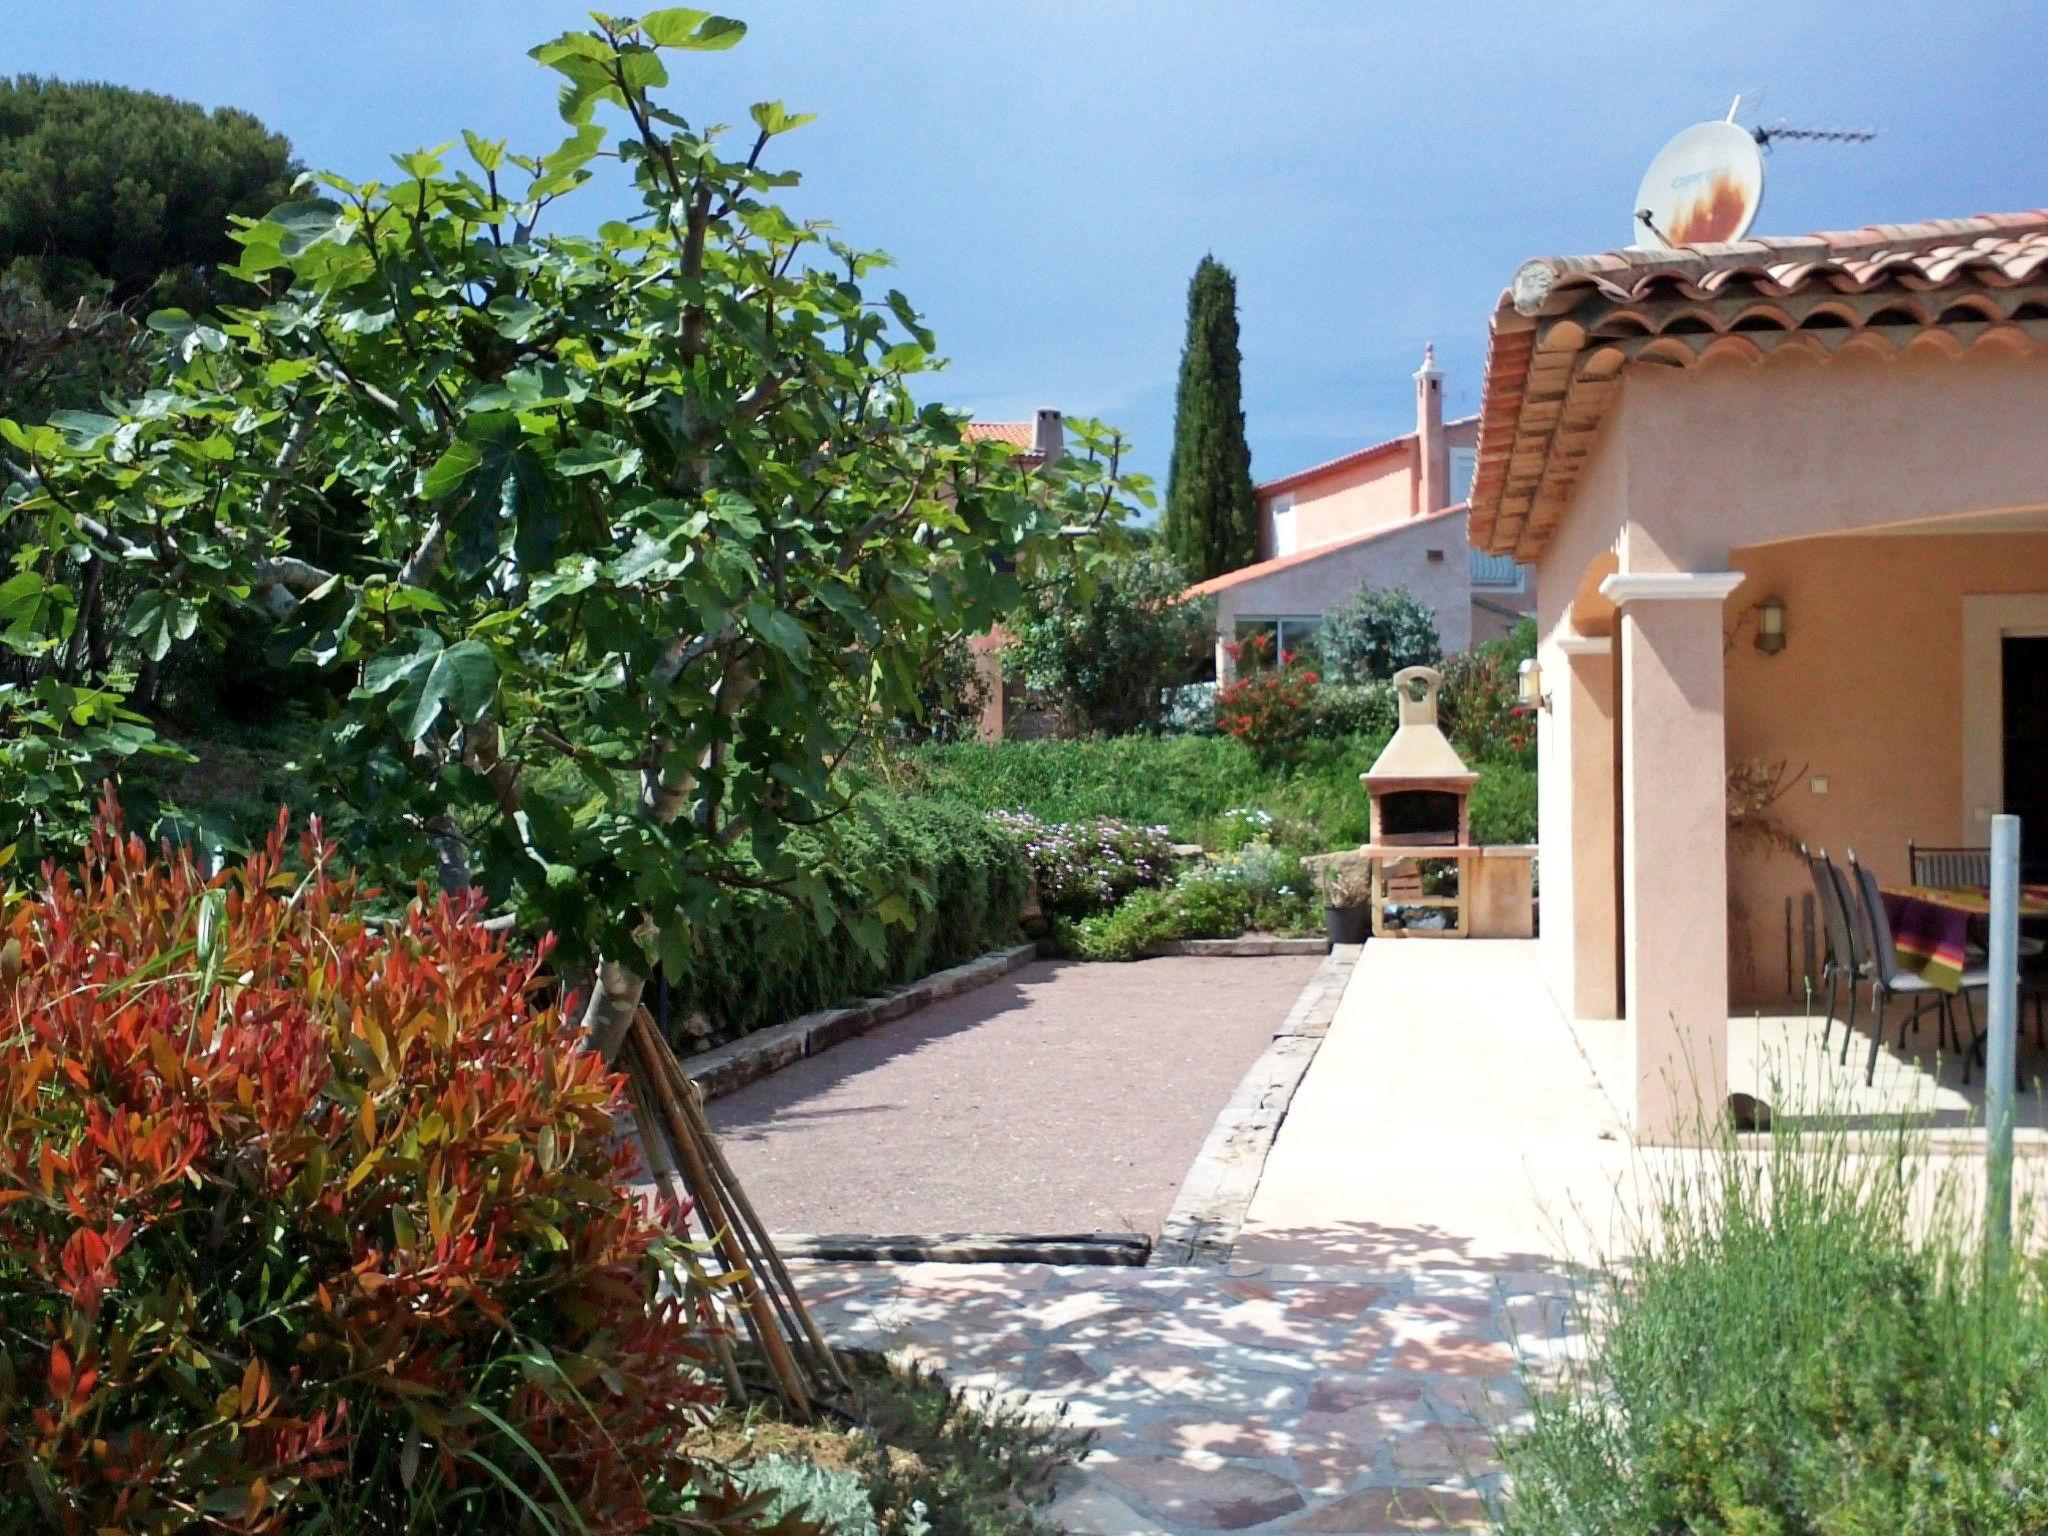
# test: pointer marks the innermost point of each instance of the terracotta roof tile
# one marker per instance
(1016, 433)
(1568, 326)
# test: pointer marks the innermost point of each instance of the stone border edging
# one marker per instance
(1237, 948)
(1201, 1229)
(1119, 1249)
(723, 1068)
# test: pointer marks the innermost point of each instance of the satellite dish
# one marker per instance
(1704, 186)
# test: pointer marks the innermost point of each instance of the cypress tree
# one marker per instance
(1211, 523)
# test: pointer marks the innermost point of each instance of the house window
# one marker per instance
(1284, 535)
(1295, 636)
(1464, 465)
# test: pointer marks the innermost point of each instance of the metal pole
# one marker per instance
(2001, 1054)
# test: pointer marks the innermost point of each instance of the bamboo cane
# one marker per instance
(753, 1233)
(666, 1177)
(665, 1128)
(698, 1175)
(693, 1104)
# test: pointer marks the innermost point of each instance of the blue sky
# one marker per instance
(1048, 174)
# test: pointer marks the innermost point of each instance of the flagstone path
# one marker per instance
(1278, 1399)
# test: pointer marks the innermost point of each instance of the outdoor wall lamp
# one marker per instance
(1770, 625)
(1529, 686)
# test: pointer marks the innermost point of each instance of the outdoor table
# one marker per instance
(1931, 925)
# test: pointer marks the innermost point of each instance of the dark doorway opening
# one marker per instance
(2025, 686)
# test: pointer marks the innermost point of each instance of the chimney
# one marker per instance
(1047, 436)
(1433, 478)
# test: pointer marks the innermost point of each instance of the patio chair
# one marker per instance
(1843, 961)
(1888, 981)
(1948, 866)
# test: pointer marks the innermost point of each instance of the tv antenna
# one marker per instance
(1767, 136)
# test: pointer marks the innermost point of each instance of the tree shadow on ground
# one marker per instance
(1376, 1380)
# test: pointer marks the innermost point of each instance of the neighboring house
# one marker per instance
(1042, 440)
(1787, 500)
(1391, 515)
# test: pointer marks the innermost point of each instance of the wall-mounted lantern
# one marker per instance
(1529, 686)
(1770, 625)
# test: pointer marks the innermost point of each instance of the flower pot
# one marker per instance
(1347, 925)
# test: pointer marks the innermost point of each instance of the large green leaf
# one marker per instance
(300, 226)
(680, 27)
(460, 679)
(157, 619)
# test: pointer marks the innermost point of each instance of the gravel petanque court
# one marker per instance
(1065, 1097)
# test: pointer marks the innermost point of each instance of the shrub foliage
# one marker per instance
(1106, 652)
(1376, 634)
(1271, 705)
(1480, 703)
(955, 889)
(1200, 787)
(1803, 1343)
(300, 1222)
(1088, 866)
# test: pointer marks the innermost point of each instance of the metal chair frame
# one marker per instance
(1888, 981)
(1842, 962)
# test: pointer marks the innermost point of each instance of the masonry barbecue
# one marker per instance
(1428, 877)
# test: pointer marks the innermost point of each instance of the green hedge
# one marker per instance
(961, 877)
(1190, 784)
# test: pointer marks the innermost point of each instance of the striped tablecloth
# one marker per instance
(1931, 926)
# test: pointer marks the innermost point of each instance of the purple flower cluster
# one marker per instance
(1088, 866)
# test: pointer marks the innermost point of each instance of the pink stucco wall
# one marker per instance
(1354, 500)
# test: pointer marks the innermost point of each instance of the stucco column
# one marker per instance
(1584, 700)
(1674, 846)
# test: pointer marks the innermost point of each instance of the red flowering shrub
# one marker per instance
(303, 1227)
(1268, 708)
(1480, 704)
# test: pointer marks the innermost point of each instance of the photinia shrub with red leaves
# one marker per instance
(1271, 709)
(305, 1227)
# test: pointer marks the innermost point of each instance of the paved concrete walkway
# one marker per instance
(1341, 1375)
(1450, 1118)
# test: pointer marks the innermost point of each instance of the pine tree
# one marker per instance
(1211, 520)
(125, 195)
